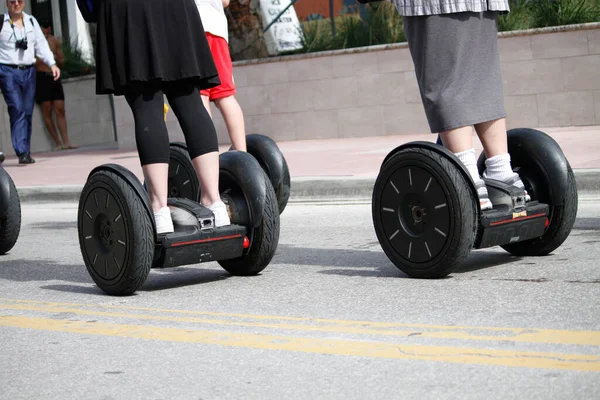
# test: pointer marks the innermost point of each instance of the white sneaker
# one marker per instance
(164, 223)
(219, 209)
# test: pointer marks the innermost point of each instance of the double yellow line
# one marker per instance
(362, 347)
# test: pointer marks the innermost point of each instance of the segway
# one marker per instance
(427, 216)
(10, 211)
(117, 234)
(183, 181)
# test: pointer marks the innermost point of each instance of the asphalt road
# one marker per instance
(331, 317)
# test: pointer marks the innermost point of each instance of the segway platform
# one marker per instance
(196, 239)
(512, 219)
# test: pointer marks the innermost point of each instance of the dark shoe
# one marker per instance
(26, 159)
(1, 157)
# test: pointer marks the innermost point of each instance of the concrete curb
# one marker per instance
(304, 190)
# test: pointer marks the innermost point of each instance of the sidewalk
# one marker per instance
(320, 169)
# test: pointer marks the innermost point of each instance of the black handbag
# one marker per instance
(89, 10)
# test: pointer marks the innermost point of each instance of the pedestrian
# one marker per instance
(214, 21)
(162, 49)
(49, 92)
(454, 47)
(21, 40)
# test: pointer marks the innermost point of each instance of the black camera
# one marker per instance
(21, 44)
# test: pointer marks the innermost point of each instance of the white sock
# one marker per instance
(468, 159)
(499, 168)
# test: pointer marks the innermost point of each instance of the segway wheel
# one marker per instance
(183, 181)
(560, 222)
(263, 239)
(116, 234)
(10, 223)
(283, 194)
(424, 213)
(272, 161)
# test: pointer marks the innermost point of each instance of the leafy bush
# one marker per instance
(527, 14)
(75, 62)
(519, 17)
(381, 23)
(564, 12)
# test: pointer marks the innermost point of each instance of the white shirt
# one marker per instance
(213, 17)
(37, 45)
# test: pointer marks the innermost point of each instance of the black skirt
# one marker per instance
(157, 41)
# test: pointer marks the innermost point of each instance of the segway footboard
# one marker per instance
(512, 220)
(196, 240)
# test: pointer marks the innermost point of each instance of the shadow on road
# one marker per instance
(369, 263)
(47, 270)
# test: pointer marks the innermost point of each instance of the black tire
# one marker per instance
(115, 228)
(263, 240)
(183, 181)
(10, 225)
(560, 222)
(283, 194)
(427, 220)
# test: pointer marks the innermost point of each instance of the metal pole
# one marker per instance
(332, 16)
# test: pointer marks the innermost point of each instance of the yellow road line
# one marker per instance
(319, 325)
(320, 346)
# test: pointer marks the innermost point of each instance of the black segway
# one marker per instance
(118, 238)
(426, 211)
(10, 211)
(183, 181)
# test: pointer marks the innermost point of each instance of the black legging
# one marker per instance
(151, 135)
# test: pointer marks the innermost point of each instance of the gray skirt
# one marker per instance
(457, 67)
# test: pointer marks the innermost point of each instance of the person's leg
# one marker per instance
(28, 84)
(234, 119)
(46, 107)
(224, 94)
(497, 164)
(206, 103)
(493, 137)
(152, 140)
(460, 142)
(201, 139)
(11, 92)
(61, 121)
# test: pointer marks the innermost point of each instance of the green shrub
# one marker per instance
(75, 63)
(381, 25)
(564, 12)
(519, 17)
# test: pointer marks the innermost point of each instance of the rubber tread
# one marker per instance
(265, 239)
(141, 253)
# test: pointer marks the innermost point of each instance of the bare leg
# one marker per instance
(47, 113)
(497, 164)
(493, 137)
(207, 168)
(459, 139)
(234, 119)
(156, 177)
(61, 121)
(460, 142)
